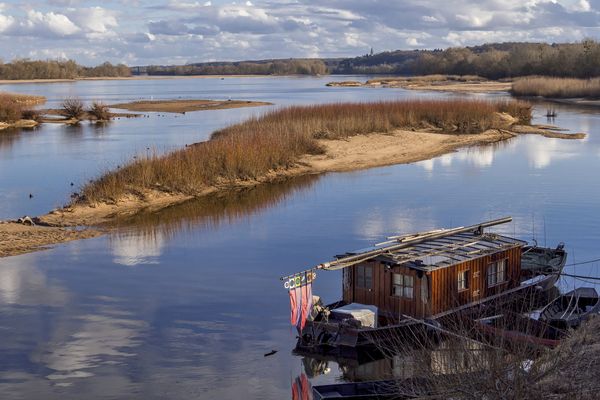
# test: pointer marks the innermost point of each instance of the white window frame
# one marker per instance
(496, 273)
(361, 276)
(405, 289)
(463, 280)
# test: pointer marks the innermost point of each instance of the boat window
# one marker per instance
(403, 286)
(463, 280)
(364, 276)
(496, 273)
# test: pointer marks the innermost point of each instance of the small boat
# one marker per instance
(571, 309)
(541, 261)
(517, 332)
(374, 390)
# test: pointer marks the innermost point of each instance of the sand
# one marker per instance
(442, 85)
(182, 106)
(18, 239)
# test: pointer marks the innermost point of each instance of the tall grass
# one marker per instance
(13, 106)
(10, 110)
(557, 87)
(277, 139)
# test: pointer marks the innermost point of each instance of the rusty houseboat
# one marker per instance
(414, 281)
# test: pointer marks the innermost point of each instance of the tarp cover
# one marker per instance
(366, 314)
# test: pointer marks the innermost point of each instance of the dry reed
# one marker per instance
(277, 140)
(557, 87)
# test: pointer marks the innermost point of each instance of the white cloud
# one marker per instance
(95, 19)
(201, 30)
(6, 22)
(57, 24)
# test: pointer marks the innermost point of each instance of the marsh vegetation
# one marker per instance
(278, 139)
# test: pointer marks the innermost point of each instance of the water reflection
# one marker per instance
(132, 249)
(103, 338)
(25, 284)
(478, 156)
(140, 239)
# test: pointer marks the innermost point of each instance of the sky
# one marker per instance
(137, 32)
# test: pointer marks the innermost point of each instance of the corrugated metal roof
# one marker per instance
(444, 252)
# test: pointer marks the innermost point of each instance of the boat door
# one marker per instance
(364, 283)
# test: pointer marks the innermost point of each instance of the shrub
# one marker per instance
(10, 110)
(31, 114)
(99, 111)
(72, 108)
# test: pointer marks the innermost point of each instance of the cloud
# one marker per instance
(170, 31)
(95, 20)
(40, 24)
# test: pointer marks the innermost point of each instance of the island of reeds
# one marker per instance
(278, 140)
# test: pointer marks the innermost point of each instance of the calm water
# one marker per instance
(185, 303)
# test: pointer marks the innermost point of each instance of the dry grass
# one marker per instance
(557, 87)
(99, 111)
(13, 106)
(72, 109)
(429, 79)
(278, 139)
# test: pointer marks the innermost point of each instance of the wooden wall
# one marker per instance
(434, 292)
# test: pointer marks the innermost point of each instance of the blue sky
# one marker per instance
(177, 32)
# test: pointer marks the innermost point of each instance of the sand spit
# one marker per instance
(182, 106)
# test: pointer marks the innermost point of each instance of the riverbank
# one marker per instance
(16, 238)
(289, 143)
(445, 83)
(188, 105)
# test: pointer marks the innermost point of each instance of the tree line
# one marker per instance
(55, 69)
(494, 61)
(267, 67)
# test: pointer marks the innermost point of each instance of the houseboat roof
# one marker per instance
(442, 252)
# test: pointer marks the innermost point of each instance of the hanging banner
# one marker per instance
(307, 304)
(299, 288)
(295, 305)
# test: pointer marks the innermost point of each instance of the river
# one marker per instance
(186, 302)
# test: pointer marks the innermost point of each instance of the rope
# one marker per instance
(595, 278)
(583, 262)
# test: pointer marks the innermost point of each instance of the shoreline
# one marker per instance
(135, 78)
(429, 83)
(352, 154)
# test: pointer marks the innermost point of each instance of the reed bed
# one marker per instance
(13, 106)
(277, 140)
(557, 87)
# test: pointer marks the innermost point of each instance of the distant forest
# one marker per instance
(264, 67)
(54, 69)
(493, 61)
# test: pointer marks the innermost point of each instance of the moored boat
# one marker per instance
(571, 309)
(538, 262)
(519, 333)
(407, 287)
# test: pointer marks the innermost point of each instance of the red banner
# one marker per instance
(295, 298)
(306, 304)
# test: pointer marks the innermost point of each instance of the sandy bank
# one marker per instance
(20, 124)
(182, 106)
(426, 83)
(357, 152)
(18, 239)
(353, 153)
